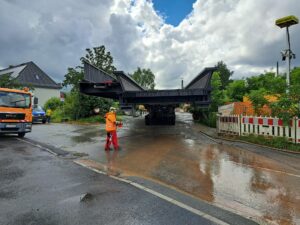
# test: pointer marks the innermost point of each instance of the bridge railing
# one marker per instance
(266, 126)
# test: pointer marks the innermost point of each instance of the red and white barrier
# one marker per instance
(297, 122)
(229, 124)
(267, 126)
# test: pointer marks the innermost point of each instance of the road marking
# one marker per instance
(38, 146)
(161, 196)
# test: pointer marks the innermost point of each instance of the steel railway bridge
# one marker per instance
(160, 104)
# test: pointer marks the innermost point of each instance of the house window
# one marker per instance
(37, 77)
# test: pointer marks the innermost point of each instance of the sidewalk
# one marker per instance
(210, 131)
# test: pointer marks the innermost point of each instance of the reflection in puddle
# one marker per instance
(111, 158)
(87, 136)
(229, 177)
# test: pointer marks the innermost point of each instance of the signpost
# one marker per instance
(287, 53)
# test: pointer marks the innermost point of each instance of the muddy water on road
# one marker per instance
(263, 186)
(234, 178)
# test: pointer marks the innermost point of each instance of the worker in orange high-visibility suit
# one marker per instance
(111, 129)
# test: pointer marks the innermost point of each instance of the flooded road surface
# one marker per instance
(253, 182)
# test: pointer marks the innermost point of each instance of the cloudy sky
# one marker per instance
(54, 34)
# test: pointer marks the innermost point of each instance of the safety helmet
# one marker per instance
(112, 109)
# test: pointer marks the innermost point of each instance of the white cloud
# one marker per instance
(55, 33)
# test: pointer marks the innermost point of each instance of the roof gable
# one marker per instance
(13, 71)
(30, 74)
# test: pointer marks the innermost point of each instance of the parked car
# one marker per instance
(38, 114)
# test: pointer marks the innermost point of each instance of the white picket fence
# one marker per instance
(267, 126)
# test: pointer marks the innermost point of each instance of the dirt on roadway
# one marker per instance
(254, 182)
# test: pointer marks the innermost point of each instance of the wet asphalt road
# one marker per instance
(38, 188)
(254, 182)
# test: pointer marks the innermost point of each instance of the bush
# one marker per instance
(57, 116)
(53, 103)
(204, 116)
(79, 106)
(92, 119)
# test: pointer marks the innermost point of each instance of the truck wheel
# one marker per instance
(43, 121)
(147, 122)
(21, 135)
(173, 121)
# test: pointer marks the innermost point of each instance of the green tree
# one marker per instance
(53, 103)
(225, 74)
(73, 78)
(288, 105)
(144, 77)
(208, 116)
(100, 58)
(78, 105)
(218, 96)
(96, 56)
(295, 76)
(236, 90)
(6, 81)
(273, 84)
(258, 99)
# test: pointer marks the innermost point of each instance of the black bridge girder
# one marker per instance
(159, 103)
(121, 87)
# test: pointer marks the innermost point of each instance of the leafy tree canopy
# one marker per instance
(236, 90)
(6, 81)
(144, 77)
(258, 99)
(273, 84)
(218, 96)
(98, 57)
(78, 105)
(225, 74)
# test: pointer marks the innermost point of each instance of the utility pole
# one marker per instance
(287, 53)
(277, 70)
(181, 82)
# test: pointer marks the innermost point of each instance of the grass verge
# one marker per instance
(275, 142)
(58, 117)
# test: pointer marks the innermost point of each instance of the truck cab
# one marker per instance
(15, 111)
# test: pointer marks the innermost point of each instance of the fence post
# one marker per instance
(296, 124)
(240, 124)
(218, 122)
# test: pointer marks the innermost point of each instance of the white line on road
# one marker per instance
(164, 197)
(39, 146)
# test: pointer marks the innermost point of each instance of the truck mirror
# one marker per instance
(35, 101)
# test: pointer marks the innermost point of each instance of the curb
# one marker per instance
(250, 143)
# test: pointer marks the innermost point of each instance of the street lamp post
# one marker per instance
(287, 54)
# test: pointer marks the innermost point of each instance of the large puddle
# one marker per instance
(233, 178)
(264, 188)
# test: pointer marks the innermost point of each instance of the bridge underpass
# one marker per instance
(160, 104)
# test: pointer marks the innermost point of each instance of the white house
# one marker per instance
(30, 74)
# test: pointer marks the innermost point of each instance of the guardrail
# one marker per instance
(267, 126)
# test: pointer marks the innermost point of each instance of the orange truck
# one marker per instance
(15, 111)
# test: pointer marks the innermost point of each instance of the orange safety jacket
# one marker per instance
(110, 121)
